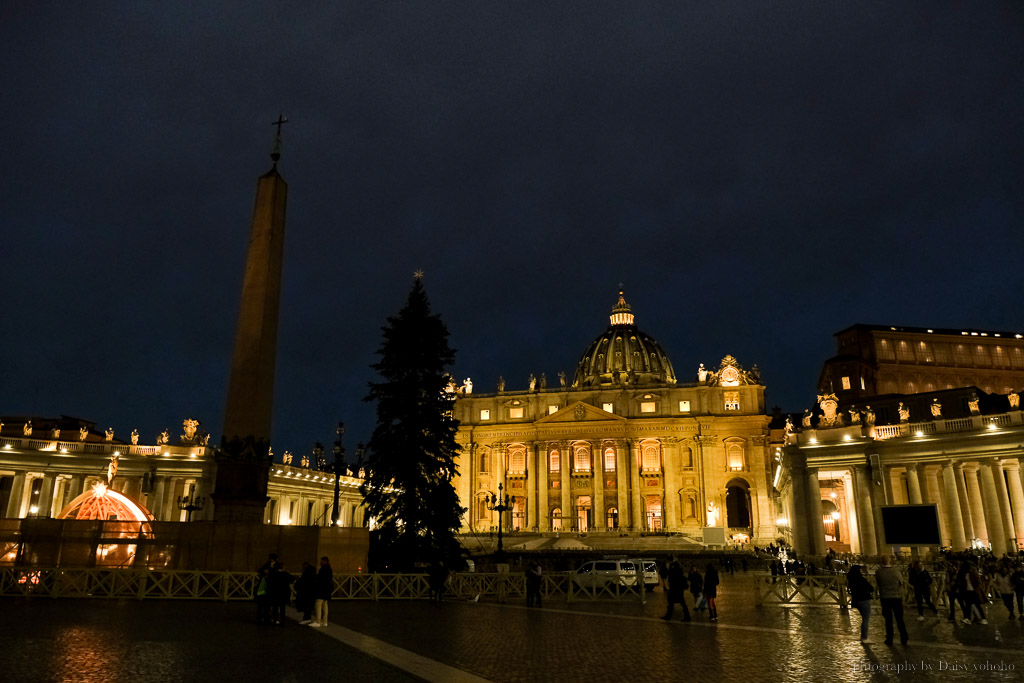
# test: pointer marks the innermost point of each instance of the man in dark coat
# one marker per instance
(279, 584)
(677, 585)
(305, 592)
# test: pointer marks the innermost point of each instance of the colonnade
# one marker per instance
(979, 501)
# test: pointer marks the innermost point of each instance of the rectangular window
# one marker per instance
(943, 353)
(981, 357)
(609, 460)
(999, 357)
(516, 413)
(924, 353)
(608, 407)
(485, 415)
(552, 410)
(554, 461)
(684, 406)
(862, 387)
(732, 400)
(735, 458)
(846, 382)
(648, 407)
(963, 356)
(884, 350)
(904, 351)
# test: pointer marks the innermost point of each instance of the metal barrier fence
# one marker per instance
(830, 590)
(169, 584)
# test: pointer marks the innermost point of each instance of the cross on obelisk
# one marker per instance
(276, 153)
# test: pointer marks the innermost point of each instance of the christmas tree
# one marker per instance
(410, 462)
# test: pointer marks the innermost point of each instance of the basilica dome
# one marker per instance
(623, 355)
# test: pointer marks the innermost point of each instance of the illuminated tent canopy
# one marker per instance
(105, 504)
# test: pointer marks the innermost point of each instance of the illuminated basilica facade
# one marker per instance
(621, 448)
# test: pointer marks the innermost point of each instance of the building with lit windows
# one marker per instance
(877, 359)
(622, 447)
(45, 464)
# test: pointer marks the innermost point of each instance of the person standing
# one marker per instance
(677, 585)
(711, 590)
(324, 590)
(534, 576)
(1003, 586)
(279, 586)
(696, 588)
(305, 592)
(953, 594)
(860, 597)
(889, 590)
(921, 580)
(974, 596)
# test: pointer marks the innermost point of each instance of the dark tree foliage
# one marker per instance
(411, 456)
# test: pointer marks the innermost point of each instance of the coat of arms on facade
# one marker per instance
(731, 374)
(580, 412)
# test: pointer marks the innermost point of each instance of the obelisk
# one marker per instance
(243, 461)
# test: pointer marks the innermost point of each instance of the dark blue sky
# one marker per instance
(759, 175)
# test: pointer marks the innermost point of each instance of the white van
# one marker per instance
(601, 573)
(649, 569)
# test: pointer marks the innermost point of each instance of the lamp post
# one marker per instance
(190, 503)
(339, 469)
(500, 504)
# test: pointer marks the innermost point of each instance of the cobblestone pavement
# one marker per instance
(99, 640)
(107, 641)
(615, 641)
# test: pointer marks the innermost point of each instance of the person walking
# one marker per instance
(953, 594)
(860, 597)
(890, 591)
(711, 591)
(324, 590)
(305, 593)
(921, 581)
(970, 588)
(677, 585)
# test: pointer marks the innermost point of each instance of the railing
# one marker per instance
(829, 590)
(99, 448)
(891, 431)
(141, 584)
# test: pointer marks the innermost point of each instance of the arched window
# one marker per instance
(483, 459)
(613, 518)
(517, 459)
(556, 519)
(581, 461)
(554, 461)
(609, 459)
(651, 460)
(734, 459)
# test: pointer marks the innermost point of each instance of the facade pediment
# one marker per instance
(580, 412)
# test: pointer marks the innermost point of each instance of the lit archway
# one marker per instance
(737, 504)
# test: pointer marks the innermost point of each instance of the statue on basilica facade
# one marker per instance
(533, 382)
(163, 438)
(191, 426)
(974, 406)
(702, 374)
(807, 419)
(904, 413)
(287, 458)
(936, 408)
(854, 416)
(467, 386)
(112, 468)
(562, 379)
(501, 384)
(713, 514)
(83, 433)
(869, 416)
(28, 428)
(1014, 399)
(55, 433)
(109, 436)
(829, 416)
(135, 437)
(543, 381)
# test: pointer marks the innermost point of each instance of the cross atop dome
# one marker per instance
(622, 313)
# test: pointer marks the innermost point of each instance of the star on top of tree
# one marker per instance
(418, 274)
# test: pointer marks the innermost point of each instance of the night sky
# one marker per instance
(758, 175)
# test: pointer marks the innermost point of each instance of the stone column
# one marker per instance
(913, 484)
(896, 486)
(1003, 498)
(46, 495)
(815, 513)
(636, 497)
(954, 518)
(1016, 498)
(563, 462)
(543, 509)
(500, 452)
(622, 481)
(960, 480)
(670, 508)
(990, 500)
(155, 502)
(600, 518)
(865, 513)
(799, 523)
(133, 487)
(76, 486)
(978, 516)
(531, 481)
(932, 493)
(14, 504)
